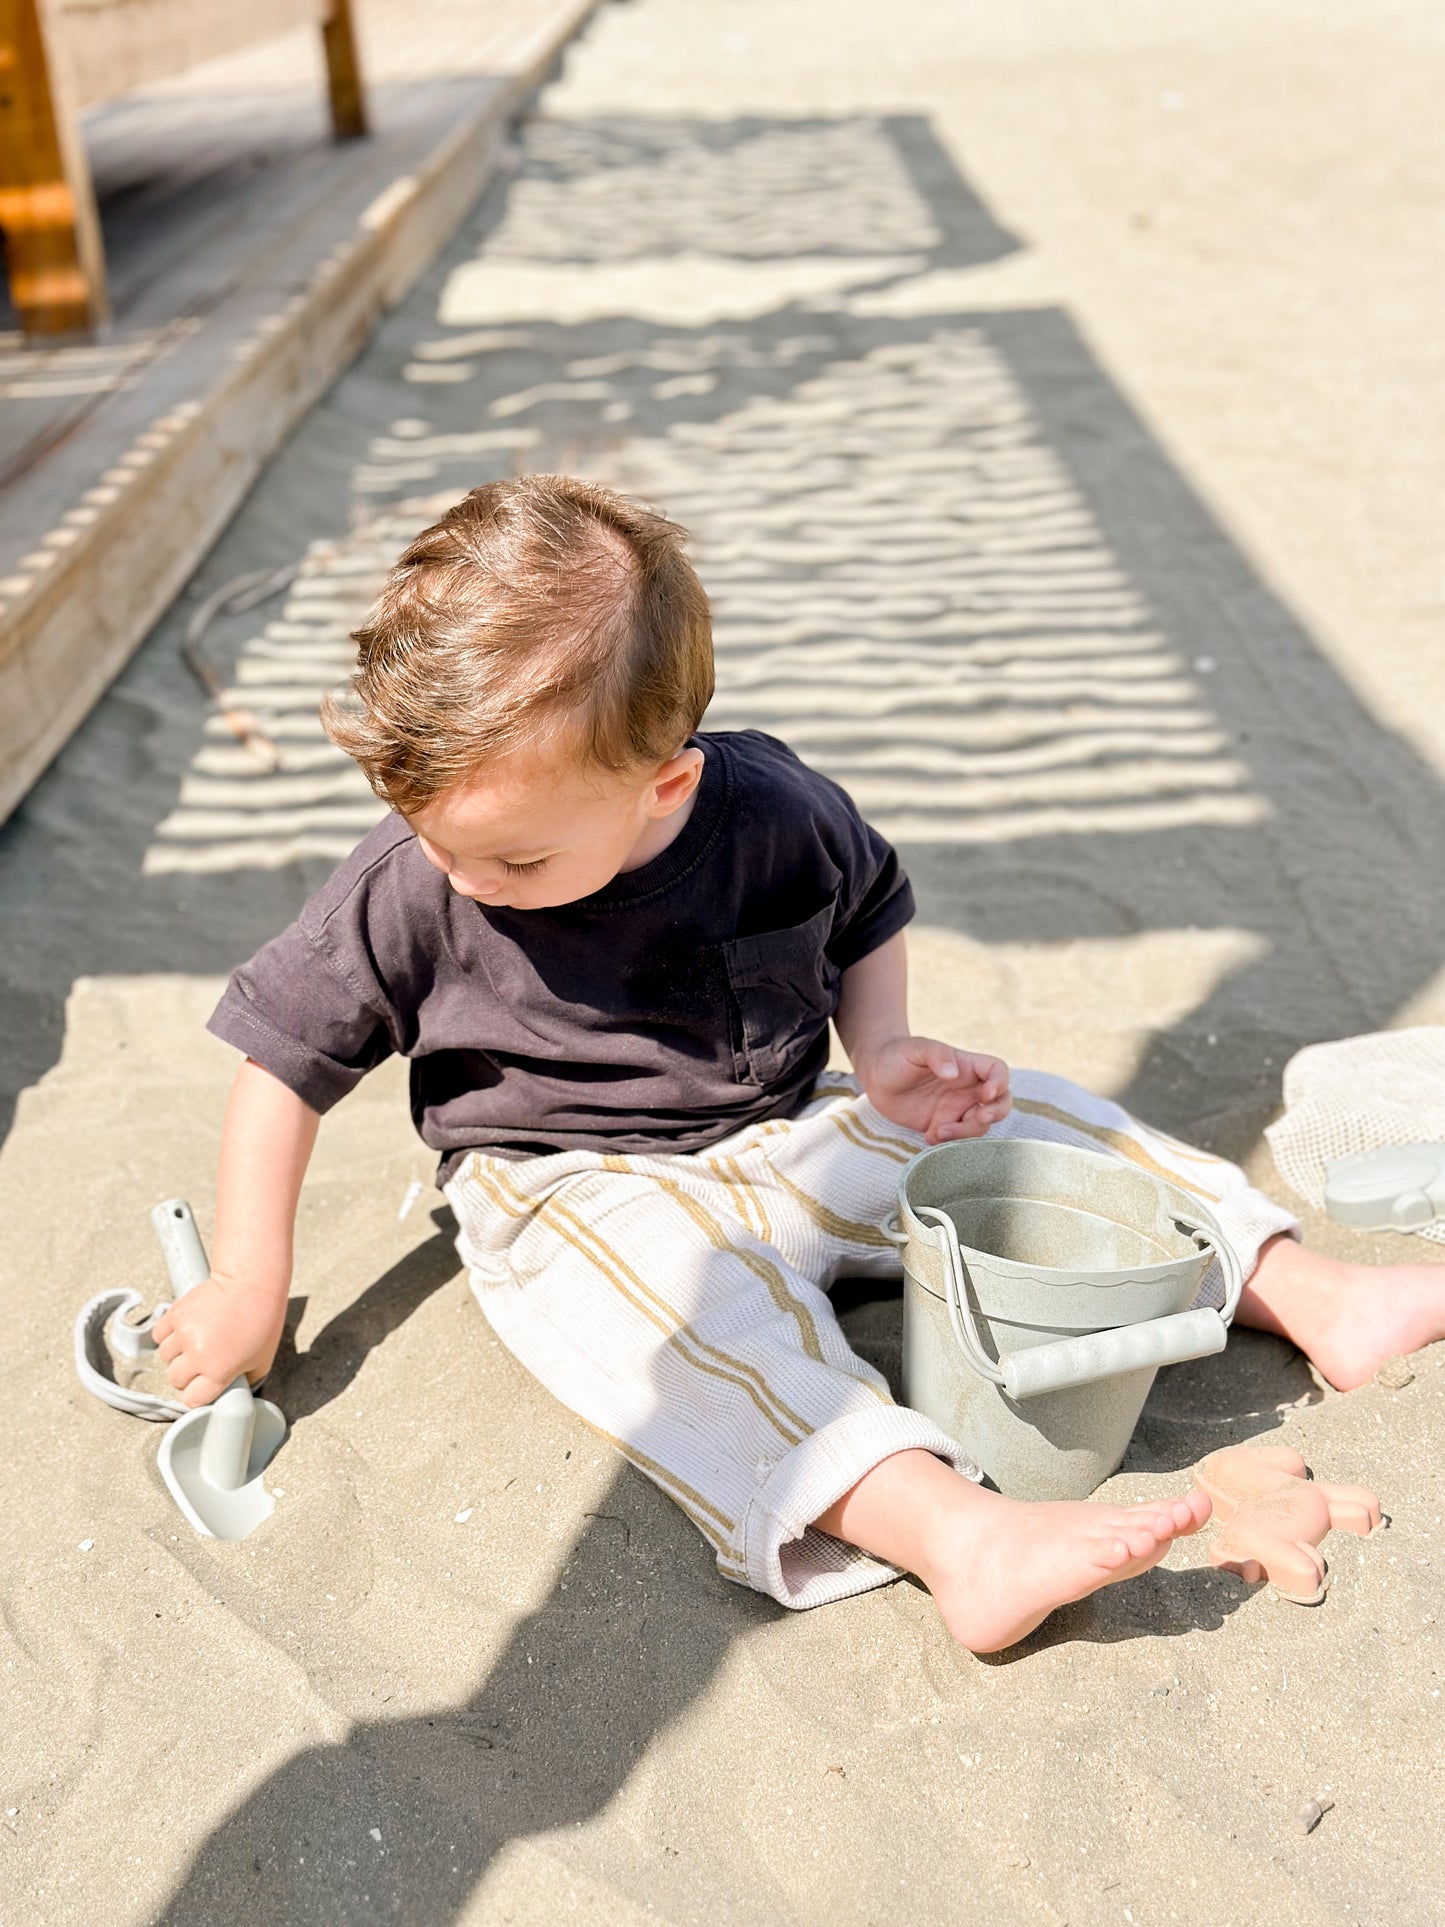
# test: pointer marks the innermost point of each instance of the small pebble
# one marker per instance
(11, 1812)
(1162, 1692)
(462, 1516)
(375, 1833)
(86, 1544)
(1395, 1374)
(1310, 1815)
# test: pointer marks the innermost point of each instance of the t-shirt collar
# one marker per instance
(685, 849)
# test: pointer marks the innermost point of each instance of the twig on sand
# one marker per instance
(242, 592)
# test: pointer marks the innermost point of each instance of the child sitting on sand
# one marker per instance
(611, 947)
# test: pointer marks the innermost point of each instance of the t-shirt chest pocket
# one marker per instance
(785, 988)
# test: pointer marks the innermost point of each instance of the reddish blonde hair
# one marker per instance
(534, 604)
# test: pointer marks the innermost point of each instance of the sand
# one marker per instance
(1055, 401)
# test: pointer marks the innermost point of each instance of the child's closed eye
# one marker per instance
(524, 869)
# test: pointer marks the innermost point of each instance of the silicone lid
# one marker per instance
(1397, 1188)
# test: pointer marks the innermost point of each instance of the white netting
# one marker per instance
(1357, 1095)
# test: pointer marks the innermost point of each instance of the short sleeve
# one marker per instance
(307, 1015)
(875, 898)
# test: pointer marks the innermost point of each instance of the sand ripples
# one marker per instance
(907, 582)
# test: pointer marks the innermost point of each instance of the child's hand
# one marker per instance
(933, 1088)
(218, 1330)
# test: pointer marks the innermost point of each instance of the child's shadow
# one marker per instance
(400, 1815)
(303, 1382)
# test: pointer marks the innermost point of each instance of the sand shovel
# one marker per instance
(211, 1458)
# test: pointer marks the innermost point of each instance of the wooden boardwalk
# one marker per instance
(248, 259)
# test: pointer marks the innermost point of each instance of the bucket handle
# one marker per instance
(1095, 1355)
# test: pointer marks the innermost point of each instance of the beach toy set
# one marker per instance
(212, 1457)
(1044, 1288)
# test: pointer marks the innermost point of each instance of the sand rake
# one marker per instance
(212, 1457)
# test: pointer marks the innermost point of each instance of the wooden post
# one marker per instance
(47, 205)
(343, 72)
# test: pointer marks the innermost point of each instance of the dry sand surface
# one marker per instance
(1055, 397)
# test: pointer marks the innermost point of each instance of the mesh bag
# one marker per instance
(1358, 1095)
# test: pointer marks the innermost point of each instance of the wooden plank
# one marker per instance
(53, 250)
(219, 406)
(343, 72)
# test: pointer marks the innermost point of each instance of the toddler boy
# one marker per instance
(611, 948)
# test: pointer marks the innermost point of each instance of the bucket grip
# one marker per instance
(1068, 1362)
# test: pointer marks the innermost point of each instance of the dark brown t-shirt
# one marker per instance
(676, 1005)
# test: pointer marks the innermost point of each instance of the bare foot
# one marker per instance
(1347, 1319)
(997, 1566)
(1006, 1566)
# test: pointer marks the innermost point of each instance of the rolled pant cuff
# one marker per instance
(785, 1555)
(1248, 1220)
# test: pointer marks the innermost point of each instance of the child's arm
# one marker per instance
(914, 1081)
(232, 1323)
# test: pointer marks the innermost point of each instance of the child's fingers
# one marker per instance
(202, 1391)
(974, 1122)
(180, 1370)
(978, 1115)
(949, 1131)
(983, 1076)
(939, 1060)
(991, 1075)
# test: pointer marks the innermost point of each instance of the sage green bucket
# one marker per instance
(1043, 1288)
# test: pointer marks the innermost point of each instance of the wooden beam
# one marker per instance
(343, 73)
(47, 206)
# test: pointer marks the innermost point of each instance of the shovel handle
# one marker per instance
(175, 1225)
(226, 1441)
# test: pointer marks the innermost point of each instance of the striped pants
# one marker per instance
(679, 1305)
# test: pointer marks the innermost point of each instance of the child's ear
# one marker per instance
(676, 780)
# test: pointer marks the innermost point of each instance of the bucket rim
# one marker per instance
(1191, 1207)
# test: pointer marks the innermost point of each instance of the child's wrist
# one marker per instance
(261, 1284)
(867, 1054)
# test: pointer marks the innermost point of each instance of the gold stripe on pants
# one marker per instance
(679, 1305)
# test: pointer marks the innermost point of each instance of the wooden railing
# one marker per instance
(58, 56)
